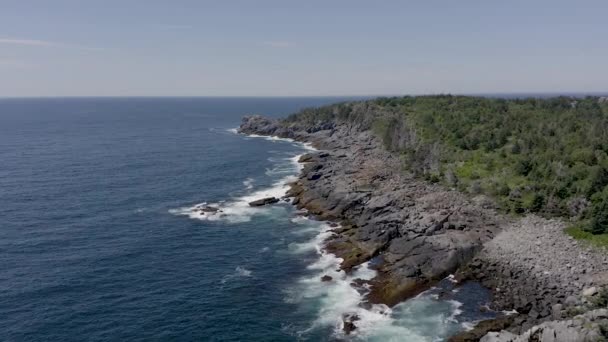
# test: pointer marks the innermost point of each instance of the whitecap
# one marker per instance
(248, 183)
(239, 272)
(242, 271)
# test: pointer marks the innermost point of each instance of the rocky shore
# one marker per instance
(417, 233)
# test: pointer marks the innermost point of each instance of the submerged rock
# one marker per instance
(264, 201)
(207, 209)
(326, 278)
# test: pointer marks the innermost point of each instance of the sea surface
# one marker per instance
(100, 239)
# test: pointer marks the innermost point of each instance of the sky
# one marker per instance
(301, 48)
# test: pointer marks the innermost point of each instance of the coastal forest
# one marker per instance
(540, 155)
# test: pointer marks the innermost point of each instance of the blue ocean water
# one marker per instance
(99, 239)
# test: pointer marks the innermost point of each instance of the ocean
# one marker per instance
(100, 239)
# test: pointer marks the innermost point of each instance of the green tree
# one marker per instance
(537, 202)
(599, 222)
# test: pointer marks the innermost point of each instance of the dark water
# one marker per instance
(98, 241)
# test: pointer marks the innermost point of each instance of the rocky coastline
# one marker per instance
(417, 233)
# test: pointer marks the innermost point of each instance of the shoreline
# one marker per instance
(418, 233)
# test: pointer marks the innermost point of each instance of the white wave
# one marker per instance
(233, 130)
(242, 272)
(272, 138)
(239, 272)
(467, 326)
(248, 183)
(306, 145)
(337, 297)
(455, 309)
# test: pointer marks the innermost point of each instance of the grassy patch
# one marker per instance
(577, 232)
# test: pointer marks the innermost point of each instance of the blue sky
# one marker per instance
(299, 48)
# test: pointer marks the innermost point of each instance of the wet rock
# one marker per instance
(305, 158)
(348, 321)
(326, 278)
(263, 201)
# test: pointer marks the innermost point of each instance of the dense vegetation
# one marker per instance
(548, 156)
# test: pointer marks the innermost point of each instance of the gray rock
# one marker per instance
(264, 201)
(571, 301)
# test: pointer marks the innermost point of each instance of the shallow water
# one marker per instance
(99, 241)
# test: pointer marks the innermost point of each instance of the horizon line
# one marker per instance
(481, 94)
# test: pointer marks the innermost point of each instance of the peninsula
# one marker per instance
(512, 193)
